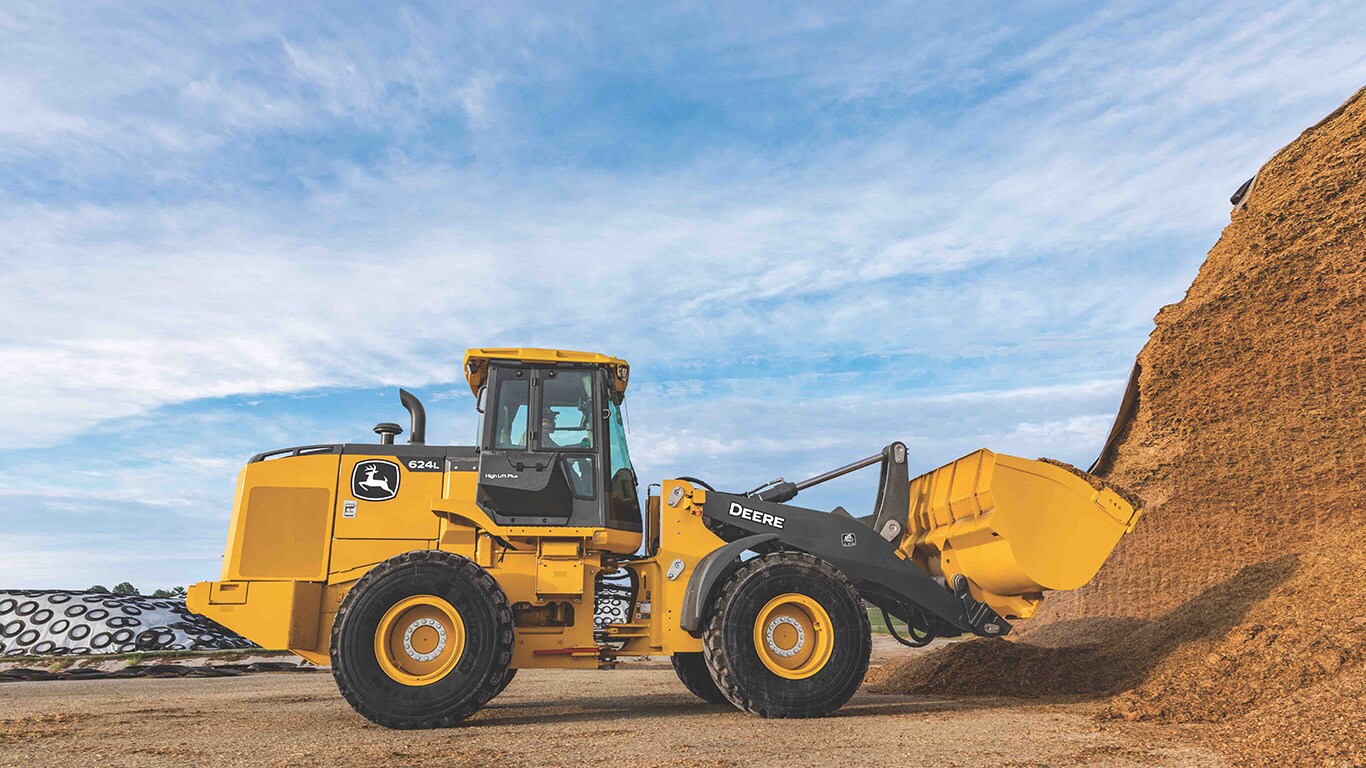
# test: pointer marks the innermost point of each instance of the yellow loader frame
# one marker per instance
(968, 547)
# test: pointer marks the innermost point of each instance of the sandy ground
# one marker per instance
(638, 714)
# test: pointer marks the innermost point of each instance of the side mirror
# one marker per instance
(479, 401)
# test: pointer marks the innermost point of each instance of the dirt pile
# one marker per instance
(1252, 655)
(1250, 434)
(997, 667)
(1238, 600)
(1285, 684)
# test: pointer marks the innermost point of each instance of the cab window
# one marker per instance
(509, 426)
(567, 411)
(622, 502)
(582, 476)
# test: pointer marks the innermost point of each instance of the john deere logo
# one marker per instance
(375, 480)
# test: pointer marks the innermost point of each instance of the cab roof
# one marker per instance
(477, 362)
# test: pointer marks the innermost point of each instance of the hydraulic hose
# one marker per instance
(916, 641)
(696, 481)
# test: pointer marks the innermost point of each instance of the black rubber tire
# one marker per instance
(692, 670)
(728, 639)
(502, 686)
(476, 677)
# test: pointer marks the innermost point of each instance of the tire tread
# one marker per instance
(692, 671)
(713, 636)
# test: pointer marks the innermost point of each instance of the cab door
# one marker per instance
(540, 461)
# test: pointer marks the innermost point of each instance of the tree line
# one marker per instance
(125, 588)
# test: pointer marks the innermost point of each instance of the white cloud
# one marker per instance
(42, 562)
(892, 224)
(1098, 388)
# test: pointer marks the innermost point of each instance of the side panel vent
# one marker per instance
(285, 532)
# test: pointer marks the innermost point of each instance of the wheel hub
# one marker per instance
(425, 639)
(793, 636)
(785, 636)
(419, 640)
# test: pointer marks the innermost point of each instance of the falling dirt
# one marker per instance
(1236, 605)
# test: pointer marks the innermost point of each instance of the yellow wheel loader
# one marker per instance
(426, 576)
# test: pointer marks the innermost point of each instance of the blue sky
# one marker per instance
(811, 231)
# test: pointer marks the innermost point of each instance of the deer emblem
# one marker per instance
(375, 483)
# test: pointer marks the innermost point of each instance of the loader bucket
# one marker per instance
(1014, 527)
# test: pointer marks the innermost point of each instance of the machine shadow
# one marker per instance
(588, 710)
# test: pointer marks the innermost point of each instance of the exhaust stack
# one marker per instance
(418, 434)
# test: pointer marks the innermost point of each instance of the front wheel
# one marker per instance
(422, 641)
(788, 637)
(691, 669)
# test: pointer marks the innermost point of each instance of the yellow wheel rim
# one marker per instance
(419, 640)
(793, 636)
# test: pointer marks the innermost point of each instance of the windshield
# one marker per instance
(623, 504)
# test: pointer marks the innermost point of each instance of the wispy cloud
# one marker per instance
(812, 232)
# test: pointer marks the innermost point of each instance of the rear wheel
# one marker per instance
(692, 670)
(507, 678)
(788, 637)
(422, 641)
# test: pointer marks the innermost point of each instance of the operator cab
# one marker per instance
(552, 445)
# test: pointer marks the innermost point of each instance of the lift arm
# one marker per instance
(869, 560)
(893, 491)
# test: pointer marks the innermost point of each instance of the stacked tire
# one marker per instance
(71, 623)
